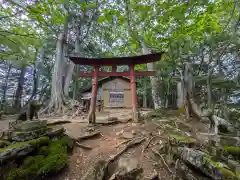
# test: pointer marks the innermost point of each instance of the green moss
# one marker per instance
(39, 142)
(43, 150)
(226, 173)
(17, 173)
(28, 161)
(179, 139)
(232, 149)
(67, 141)
(53, 161)
(181, 110)
(35, 143)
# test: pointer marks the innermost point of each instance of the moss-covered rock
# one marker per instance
(205, 163)
(221, 171)
(20, 149)
(40, 165)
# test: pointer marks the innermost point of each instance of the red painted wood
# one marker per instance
(103, 74)
(117, 60)
(134, 93)
(114, 68)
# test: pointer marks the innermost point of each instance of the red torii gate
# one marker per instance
(114, 62)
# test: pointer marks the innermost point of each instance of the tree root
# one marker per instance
(132, 143)
(89, 135)
(100, 170)
(148, 143)
(124, 142)
(157, 153)
(83, 146)
(58, 122)
(154, 176)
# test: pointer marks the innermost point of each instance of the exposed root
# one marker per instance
(58, 122)
(124, 142)
(89, 135)
(154, 176)
(157, 153)
(132, 143)
(83, 146)
(149, 143)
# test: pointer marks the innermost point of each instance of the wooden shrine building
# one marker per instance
(114, 62)
(113, 92)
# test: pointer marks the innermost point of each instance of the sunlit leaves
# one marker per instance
(101, 19)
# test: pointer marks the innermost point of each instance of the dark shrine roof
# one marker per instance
(117, 60)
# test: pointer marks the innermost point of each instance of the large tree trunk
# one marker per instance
(57, 77)
(57, 96)
(18, 94)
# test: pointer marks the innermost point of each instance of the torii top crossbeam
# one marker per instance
(117, 60)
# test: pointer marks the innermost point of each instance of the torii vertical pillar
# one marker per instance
(134, 93)
(91, 115)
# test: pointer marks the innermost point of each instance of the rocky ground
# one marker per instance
(164, 146)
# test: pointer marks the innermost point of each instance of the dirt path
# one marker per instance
(106, 145)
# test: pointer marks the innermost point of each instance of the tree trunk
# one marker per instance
(57, 95)
(180, 95)
(145, 94)
(71, 65)
(150, 66)
(167, 93)
(68, 78)
(209, 90)
(5, 87)
(209, 80)
(35, 80)
(225, 108)
(18, 95)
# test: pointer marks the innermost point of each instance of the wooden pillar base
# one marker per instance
(134, 94)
